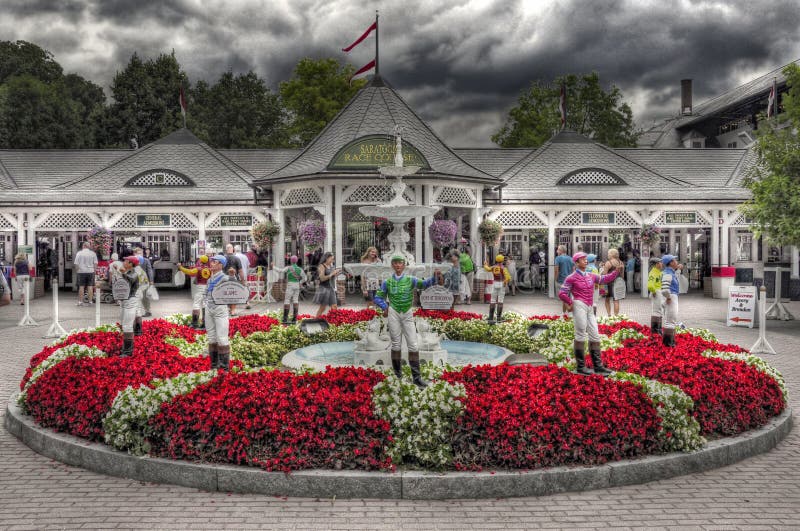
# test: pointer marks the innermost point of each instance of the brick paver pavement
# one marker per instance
(762, 492)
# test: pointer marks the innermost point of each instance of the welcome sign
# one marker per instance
(436, 298)
(742, 306)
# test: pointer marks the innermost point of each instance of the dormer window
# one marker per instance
(160, 178)
(590, 177)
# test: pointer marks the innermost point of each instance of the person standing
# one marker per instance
(141, 292)
(618, 294)
(86, 262)
(147, 266)
(630, 270)
(218, 323)
(656, 297)
(245, 272)
(200, 274)
(326, 291)
(295, 277)
(577, 292)
(453, 279)
(234, 269)
(399, 289)
(128, 305)
(511, 266)
(563, 268)
(22, 274)
(534, 260)
(368, 280)
(5, 290)
(670, 288)
(591, 267)
(500, 279)
(468, 270)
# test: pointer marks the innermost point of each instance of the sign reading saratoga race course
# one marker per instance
(742, 306)
(375, 151)
(230, 292)
(436, 298)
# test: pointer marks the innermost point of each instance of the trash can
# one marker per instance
(722, 278)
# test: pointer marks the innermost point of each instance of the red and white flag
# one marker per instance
(562, 105)
(365, 68)
(182, 102)
(771, 101)
(370, 29)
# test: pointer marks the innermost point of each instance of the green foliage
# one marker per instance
(25, 58)
(266, 349)
(775, 180)
(189, 350)
(316, 92)
(591, 111)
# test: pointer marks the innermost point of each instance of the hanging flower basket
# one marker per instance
(443, 232)
(312, 234)
(100, 239)
(490, 232)
(264, 234)
(651, 234)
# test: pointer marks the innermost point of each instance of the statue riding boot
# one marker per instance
(499, 312)
(669, 337)
(285, 314)
(653, 325)
(597, 361)
(413, 362)
(224, 363)
(397, 363)
(295, 310)
(491, 312)
(213, 355)
(127, 345)
(580, 359)
(202, 325)
(195, 318)
(137, 326)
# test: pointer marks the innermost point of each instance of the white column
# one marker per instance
(428, 220)
(671, 242)
(474, 221)
(418, 225)
(714, 258)
(725, 245)
(201, 225)
(795, 262)
(753, 247)
(280, 244)
(20, 231)
(551, 254)
(339, 229)
(329, 219)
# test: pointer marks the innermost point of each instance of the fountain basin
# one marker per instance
(342, 354)
(398, 213)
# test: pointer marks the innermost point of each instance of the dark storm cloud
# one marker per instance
(460, 65)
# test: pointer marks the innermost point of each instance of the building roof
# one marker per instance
(41, 169)
(701, 167)
(494, 161)
(376, 110)
(260, 162)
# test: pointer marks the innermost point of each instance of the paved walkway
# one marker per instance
(37, 493)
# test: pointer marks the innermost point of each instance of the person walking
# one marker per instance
(591, 267)
(563, 268)
(399, 290)
(534, 260)
(129, 304)
(245, 272)
(234, 269)
(454, 277)
(199, 274)
(500, 279)
(369, 281)
(22, 274)
(85, 261)
(141, 292)
(656, 297)
(218, 323)
(326, 291)
(295, 277)
(511, 266)
(616, 291)
(147, 266)
(468, 270)
(670, 288)
(577, 292)
(5, 290)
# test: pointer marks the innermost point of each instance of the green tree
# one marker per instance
(775, 179)
(591, 111)
(316, 92)
(237, 112)
(145, 97)
(21, 57)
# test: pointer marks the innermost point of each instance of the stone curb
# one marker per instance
(404, 484)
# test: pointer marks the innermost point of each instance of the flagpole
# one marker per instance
(774, 96)
(377, 34)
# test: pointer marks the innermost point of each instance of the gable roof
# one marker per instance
(41, 169)
(375, 110)
(494, 161)
(700, 167)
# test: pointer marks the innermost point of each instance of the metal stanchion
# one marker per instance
(27, 320)
(778, 310)
(55, 330)
(762, 346)
(97, 297)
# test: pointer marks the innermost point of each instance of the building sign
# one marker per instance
(598, 218)
(680, 218)
(742, 306)
(235, 220)
(153, 220)
(375, 151)
(436, 298)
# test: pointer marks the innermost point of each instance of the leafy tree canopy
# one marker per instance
(775, 179)
(591, 111)
(21, 57)
(316, 92)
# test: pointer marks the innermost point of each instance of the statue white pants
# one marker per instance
(585, 322)
(402, 324)
(498, 292)
(671, 312)
(292, 293)
(217, 324)
(141, 296)
(198, 296)
(129, 308)
(657, 302)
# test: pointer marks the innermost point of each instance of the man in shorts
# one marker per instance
(563, 268)
(85, 263)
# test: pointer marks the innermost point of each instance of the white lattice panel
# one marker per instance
(572, 219)
(741, 221)
(67, 222)
(591, 177)
(160, 178)
(519, 219)
(300, 196)
(127, 221)
(181, 221)
(371, 194)
(624, 219)
(455, 196)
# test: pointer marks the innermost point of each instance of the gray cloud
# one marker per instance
(460, 65)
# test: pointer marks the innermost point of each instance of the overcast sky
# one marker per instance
(459, 64)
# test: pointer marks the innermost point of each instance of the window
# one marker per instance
(731, 144)
(744, 247)
(512, 245)
(697, 145)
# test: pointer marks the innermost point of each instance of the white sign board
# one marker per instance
(742, 306)
(436, 298)
(121, 290)
(230, 292)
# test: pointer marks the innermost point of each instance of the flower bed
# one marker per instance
(163, 400)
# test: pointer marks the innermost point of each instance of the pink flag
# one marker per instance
(182, 102)
(370, 29)
(772, 94)
(562, 105)
(368, 66)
